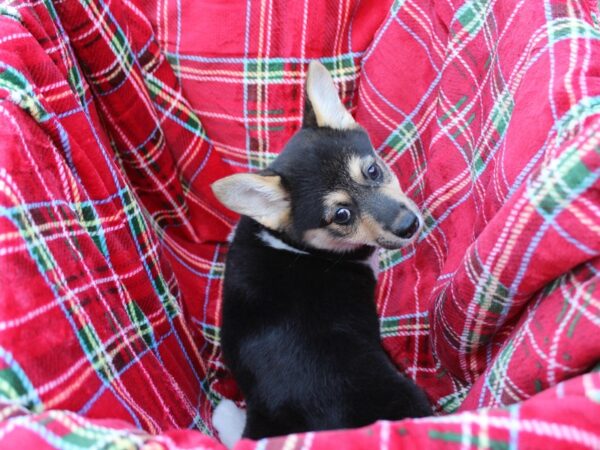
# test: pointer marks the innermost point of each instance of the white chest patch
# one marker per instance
(231, 234)
(278, 244)
(373, 262)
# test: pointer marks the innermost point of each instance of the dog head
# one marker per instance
(328, 189)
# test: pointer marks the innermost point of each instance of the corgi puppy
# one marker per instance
(300, 330)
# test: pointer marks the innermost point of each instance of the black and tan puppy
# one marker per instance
(300, 331)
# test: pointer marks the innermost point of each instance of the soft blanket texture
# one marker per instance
(117, 115)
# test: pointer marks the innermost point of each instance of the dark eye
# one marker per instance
(342, 216)
(374, 172)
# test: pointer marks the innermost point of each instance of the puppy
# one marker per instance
(300, 331)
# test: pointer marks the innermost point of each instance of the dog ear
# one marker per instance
(323, 107)
(260, 197)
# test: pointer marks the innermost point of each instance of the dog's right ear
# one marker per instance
(261, 197)
(323, 107)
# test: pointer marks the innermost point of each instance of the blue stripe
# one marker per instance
(137, 358)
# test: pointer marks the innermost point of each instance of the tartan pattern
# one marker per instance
(117, 116)
(529, 425)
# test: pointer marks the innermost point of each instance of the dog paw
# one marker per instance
(229, 421)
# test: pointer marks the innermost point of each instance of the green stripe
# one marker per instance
(472, 15)
(453, 109)
(403, 136)
(141, 322)
(92, 223)
(587, 299)
(22, 94)
(94, 350)
(567, 173)
(449, 436)
(6, 10)
(13, 388)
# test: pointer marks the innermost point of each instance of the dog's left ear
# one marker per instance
(323, 106)
(261, 197)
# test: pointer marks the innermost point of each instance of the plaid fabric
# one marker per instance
(116, 117)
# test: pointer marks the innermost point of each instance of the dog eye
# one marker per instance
(342, 216)
(374, 172)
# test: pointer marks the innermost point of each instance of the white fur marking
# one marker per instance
(320, 238)
(231, 234)
(373, 262)
(278, 244)
(229, 421)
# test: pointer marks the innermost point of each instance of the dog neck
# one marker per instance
(282, 241)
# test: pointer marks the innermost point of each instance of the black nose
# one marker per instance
(406, 226)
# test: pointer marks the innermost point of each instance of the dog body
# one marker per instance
(301, 335)
(300, 330)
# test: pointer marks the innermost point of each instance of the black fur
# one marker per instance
(300, 332)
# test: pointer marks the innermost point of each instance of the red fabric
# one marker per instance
(535, 424)
(118, 115)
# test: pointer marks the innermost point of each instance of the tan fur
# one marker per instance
(355, 165)
(325, 100)
(390, 187)
(393, 190)
(261, 197)
(335, 198)
(368, 232)
(321, 238)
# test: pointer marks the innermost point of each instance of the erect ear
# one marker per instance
(323, 105)
(261, 197)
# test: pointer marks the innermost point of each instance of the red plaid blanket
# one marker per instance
(117, 115)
